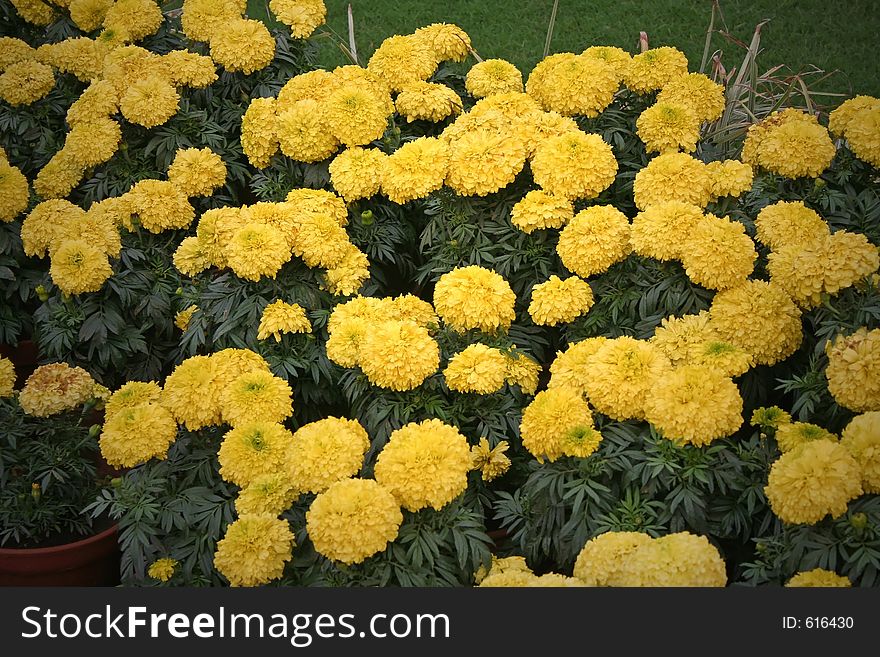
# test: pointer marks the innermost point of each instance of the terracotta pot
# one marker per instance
(24, 357)
(92, 561)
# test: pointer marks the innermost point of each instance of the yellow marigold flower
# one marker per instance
(491, 462)
(254, 550)
(445, 41)
(794, 434)
(79, 267)
(189, 69)
(183, 318)
(7, 377)
(729, 178)
(14, 192)
(93, 143)
(478, 369)
(728, 359)
(40, 227)
(136, 434)
(617, 58)
(343, 346)
(256, 396)
(493, 76)
(131, 394)
(200, 18)
(523, 371)
(862, 438)
(356, 173)
(416, 169)
(26, 82)
(851, 258)
(771, 417)
(414, 309)
(95, 228)
(424, 464)
(695, 404)
(13, 51)
(718, 254)
(214, 231)
(58, 178)
(759, 318)
(304, 133)
(280, 317)
(259, 132)
(481, 162)
(256, 250)
(135, 18)
(653, 69)
(474, 297)
(839, 120)
(559, 301)
(320, 202)
(853, 370)
(320, 241)
(189, 258)
(99, 101)
(353, 520)
(347, 277)
(55, 388)
(574, 165)
(243, 45)
(149, 102)
(696, 92)
(509, 579)
(283, 217)
(34, 11)
(302, 16)
(812, 481)
(371, 309)
(558, 423)
(594, 239)
(819, 577)
(668, 128)
(82, 57)
(325, 452)
(197, 172)
(861, 135)
(161, 569)
(682, 339)
(681, 559)
(672, 177)
(313, 85)
(538, 210)
(253, 450)
(159, 205)
(354, 114)
(427, 101)
(400, 60)
(503, 568)
(571, 367)
(398, 355)
(191, 393)
(599, 560)
(231, 363)
(623, 374)
(788, 223)
(572, 84)
(269, 493)
(789, 143)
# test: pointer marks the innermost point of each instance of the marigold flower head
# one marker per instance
(841, 118)
(240, 44)
(571, 367)
(40, 227)
(558, 423)
(474, 297)
(304, 133)
(26, 82)
(200, 18)
(189, 69)
(161, 569)
(197, 171)
(593, 240)
(447, 42)
(478, 369)
(159, 205)
(356, 172)
(355, 114)
(325, 452)
(759, 318)
(718, 254)
(136, 18)
(812, 481)
(538, 210)
(318, 201)
(523, 371)
(653, 69)
(254, 550)
(93, 143)
(320, 241)
(624, 372)
(191, 394)
(400, 60)
(851, 258)
(416, 169)
(729, 178)
(672, 177)
(483, 162)
(784, 222)
(789, 143)
(279, 317)
(427, 101)
(256, 250)
(149, 102)
(302, 16)
(259, 132)
(131, 394)
(668, 127)
(682, 339)
(35, 11)
(82, 57)
(491, 462)
(861, 437)
(698, 93)
(7, 377)
(424, 464)
(14, 192)
(58, 178)
(728, 359)
(256, 396)
(559, 301)
(398, 355)
(14, 50)
(78, 267)
(853, 370)
(253, 450)
(616, 57)
(680, 559)
(493, 76)
(353, 520)
(189, 258)
(819, 577)
(605, 554)
(861, 134)
(55, 388)
(350, 273)
(136, 434)
(574, 165)
(269, 493)
(573, 84)
(794, 434)
(770, 417)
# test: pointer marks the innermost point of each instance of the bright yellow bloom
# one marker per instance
(559, 301)
(356, 173)
(491, 462)
(93, 143)
(159, 205)
(347, 277)
(474, 297)
(325, 452)
(355, 114)
(599, 560)
(573, 84)
(416, 169)
(574, 165)
(58, 178)
(862, 438)
(672, 177)
(254, 450)
(718, 254)
(197, 172)
(445, 41)
(617, 58)
(131, 394)
(398, 355)
(254, 550)
(161, 569)
(7, 377)
(55, 388)
(240, 44)
(729, 178)
(34, 11)
(478, 369)
(668, 128)
(259, 132)
(594, 239)
(680, 559)
(493, 76)
(794, 434)
(853, 370)
(785, 222)
(43, 223)
(483, 162)
(771, 417)
(538, 210)
(13, 51)
(79, 267)
(279, 317)
(571, 367)
(200, 18)
(14, 192)
(523, 371)
(653, 69)
(136, 19)
(302, 16)
(26, 82)
(183, 318)
(789, 143)
(191, 393)
(149, 102)
(558, 423)
(427, 101)
(400, 60)
(318, 201)
(190, 258)
(270, 493)
(255, 251)
(819, 577)
(696, 92)
(136, 434)
(304, 133)
(256, 396)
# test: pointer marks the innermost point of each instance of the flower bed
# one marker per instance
(622, 316)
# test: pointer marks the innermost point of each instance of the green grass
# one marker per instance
(832, 36)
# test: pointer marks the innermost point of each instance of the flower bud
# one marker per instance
(42, 294)
(367, 217)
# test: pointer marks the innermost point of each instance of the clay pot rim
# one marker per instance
(56, 549)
